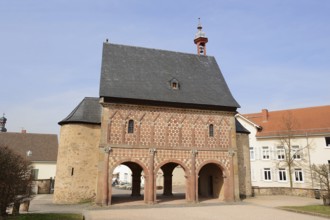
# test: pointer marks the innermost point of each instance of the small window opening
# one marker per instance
(327, 141)
(130, 128)
(174, 85)
(72, 171)
(211, 130)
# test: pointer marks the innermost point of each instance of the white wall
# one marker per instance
(314, 151)
(46, 170)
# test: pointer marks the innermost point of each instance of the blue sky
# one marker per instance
(274, 54)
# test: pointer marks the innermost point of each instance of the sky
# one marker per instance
(274, 54)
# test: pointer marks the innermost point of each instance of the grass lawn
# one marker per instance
(311, 209)
(46, 216)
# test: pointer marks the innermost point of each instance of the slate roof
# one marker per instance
(312, 120)
(43, 146)
(240, 128)
(88, 111)
(135, 73)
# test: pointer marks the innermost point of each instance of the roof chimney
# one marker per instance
(264, 113)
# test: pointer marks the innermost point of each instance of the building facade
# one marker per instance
(157, 110)
(40, 149)
(300, 137)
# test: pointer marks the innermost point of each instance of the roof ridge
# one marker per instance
(164, 50)
(257, 114)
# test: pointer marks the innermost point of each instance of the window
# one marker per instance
(211, 130)
(267, 174)
(296, 154)
(280, 153)
(130, 128)
(35, 173)
(282, 175)
(298, 175)
(174, 84)
(252, 153)
(265, 153)
(327, 141)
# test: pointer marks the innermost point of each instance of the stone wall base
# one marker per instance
(267, 191)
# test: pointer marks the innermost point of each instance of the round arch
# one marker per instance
(136, 167)
(211, 176)
(169, 176)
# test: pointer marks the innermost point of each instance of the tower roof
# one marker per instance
(200, 33)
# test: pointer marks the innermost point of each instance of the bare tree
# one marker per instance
(15, 179)
(289, 156)
(322, 172)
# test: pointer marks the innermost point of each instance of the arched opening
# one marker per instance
(210, 182)
(171, 183)
(127, 183)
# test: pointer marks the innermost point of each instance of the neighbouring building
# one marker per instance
(305, 130)
(40, 149)
(156, 110)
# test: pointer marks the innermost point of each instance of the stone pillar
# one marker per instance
(168, 184)
(105, 195)
(136, 183)
(193, 186)
(229, 180)
(151, 177)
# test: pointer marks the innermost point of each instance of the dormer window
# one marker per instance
(174, 84)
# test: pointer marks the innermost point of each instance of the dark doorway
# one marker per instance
(210, 182)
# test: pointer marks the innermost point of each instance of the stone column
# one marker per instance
(193, 185)
(136, 183)
(229, 180)
(168, 184)
(151, 177)
(105, 196)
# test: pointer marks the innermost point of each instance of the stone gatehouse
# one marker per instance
(156, 110)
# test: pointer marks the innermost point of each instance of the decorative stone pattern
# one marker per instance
(161, 136)
(168, 127)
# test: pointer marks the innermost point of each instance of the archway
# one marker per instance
(127, 183)
(210, 182)
(171, 182)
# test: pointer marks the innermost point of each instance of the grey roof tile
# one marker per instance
(88, 111)
(145, 74)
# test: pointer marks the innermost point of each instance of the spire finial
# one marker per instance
(199, 24)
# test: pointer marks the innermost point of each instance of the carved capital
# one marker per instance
(152, 151)
(194, 152)
(107, 150)
(231, 152)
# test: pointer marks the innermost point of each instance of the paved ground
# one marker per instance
(258, 208)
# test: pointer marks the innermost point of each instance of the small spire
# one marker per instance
(200, 39)
(3, 121)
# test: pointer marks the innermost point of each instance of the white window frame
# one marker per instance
(265, 153)
(267, 174)
(252, 153)
(280, 153)
(296, 153)
(282, 173)
(298, 175)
